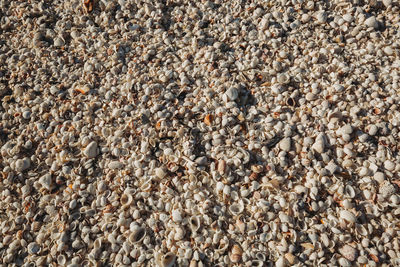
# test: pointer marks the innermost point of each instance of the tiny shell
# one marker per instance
(167, 260)
(236, 253)
(137, 235)
(208, 119)
(221, 166)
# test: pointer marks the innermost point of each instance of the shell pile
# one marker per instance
(199, 133)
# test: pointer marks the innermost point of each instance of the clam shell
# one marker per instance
(137, 235)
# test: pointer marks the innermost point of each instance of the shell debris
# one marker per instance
(199, 133)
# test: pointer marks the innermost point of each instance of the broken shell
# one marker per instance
(236, 208)
(166, 260)
(208, 119)
(126, 200)
(194, 222)
(137, 235)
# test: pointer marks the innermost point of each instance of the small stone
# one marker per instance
(348, 17)
(373, 129)
(26, 115)
(389, 165)
(201, 160)
(379, 177)
(348, 252)
(310, 96)
(33, 248)
(115, 165)
(388, 50)
(54, 90)
(387, 3)
(46, 181)
(232, 93)
(347, 129)
(176, 216)
(91, 150)
(281, 262)
(372, 22)
(58, 42)
(160, 173)
(285, 144)
(22, 164)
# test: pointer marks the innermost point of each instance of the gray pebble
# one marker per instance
(91, 150)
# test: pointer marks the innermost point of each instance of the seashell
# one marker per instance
(348, 216)
(176, 216)
(334, 116)
(290, 258)
(236, 253)
(221, 166)
(160, 173)
(283, 78)
(166, 260)
(372, 22)
(137, 235)
(281, 262)
(232, 93)
(194, 223)
(236, 208)
(222, 246)
(46, 181)
(348, 252)
(285, 144)
(61, 259)
(88, 5)
(361, 230)
(33, 248)
(349, 191)
(208, 119)
(126, 200)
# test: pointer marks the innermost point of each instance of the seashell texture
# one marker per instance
(199, 133)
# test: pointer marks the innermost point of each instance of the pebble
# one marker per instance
(46, 181)
(372, 22)
(232, 93)
(91, 150)
(115, 165)
(285, 144)
(58, 42)
(348, 252)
